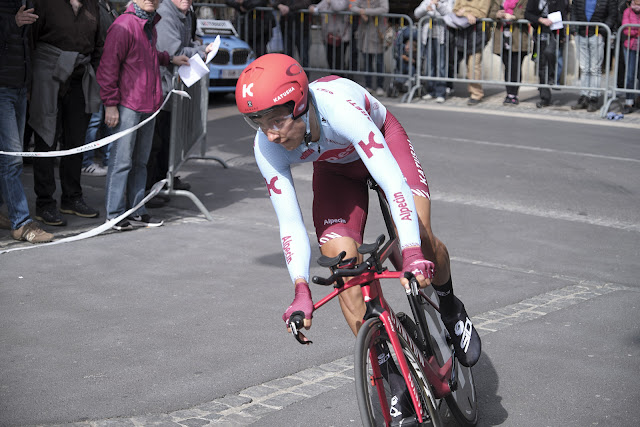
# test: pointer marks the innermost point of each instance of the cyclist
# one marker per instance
(349, 136)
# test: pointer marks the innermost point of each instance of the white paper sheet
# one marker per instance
(197, 68)
(556, 19)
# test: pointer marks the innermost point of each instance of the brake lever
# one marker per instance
(413, 283)
(296, 322)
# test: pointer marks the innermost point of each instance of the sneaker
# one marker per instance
(80, 208)
(180, 185)
(465, 339)
(427, 97)
(5, 223)
(31, 233)
(626, 109)
(94, 170)
(473, 101)
(449, 90)
(379, 92)
(144, 221)
(593, 105)
(155, 203)
(581, 104)
(123, 225)
(440, 99)
(511, 100)
(50, 217)
(543, 103)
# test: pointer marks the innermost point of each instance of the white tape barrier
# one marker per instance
(99, 143)
(98, 230)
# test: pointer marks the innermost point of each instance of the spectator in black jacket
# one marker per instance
(15, 76)
(591, 44)
(66, 54)
(548, 43)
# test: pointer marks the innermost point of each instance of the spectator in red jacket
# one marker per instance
(131, 90)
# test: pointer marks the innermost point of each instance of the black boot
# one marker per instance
(582, 103)
(593, 105)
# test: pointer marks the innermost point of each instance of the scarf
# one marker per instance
(142, 14)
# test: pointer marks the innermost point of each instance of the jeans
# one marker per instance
(591, 54)
(512, 61)
(127, 172)
(72, 128)
(13, 111)
(371, 59)
(436, 66)
(631, 60)
(96, 130)
(546, 70)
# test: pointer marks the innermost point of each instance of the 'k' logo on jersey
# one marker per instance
(272, 186)
(367, 147)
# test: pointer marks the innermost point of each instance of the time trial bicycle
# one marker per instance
(419, 345)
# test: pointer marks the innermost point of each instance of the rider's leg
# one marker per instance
(351, 301)
(432, 248)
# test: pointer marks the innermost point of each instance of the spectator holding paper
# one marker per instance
(131, 90)
(175, 37)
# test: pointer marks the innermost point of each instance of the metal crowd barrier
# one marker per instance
(305, 37)
(493, 72)
(188, 128)
(626, 89)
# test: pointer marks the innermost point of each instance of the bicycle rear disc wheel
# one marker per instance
(462, 402)
(372, 334)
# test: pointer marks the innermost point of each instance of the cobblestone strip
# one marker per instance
(540, 305)
(250, 404)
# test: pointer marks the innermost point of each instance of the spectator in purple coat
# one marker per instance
(131, 91)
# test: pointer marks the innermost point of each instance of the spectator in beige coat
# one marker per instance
(335, 30)
(371, 29)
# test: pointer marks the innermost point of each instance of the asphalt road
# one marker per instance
(180, 325)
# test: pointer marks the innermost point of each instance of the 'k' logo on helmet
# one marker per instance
(246, 90)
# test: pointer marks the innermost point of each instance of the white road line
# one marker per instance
(523, 147)
(538, 212)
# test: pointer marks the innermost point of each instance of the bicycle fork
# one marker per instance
(393, 328)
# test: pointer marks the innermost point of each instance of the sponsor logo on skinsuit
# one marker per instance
(271, 186)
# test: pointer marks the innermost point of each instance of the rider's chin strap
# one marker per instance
(307, 122)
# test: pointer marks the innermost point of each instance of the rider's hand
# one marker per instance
(301, 302)
(413, 261)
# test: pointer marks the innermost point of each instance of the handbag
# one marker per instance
(334, 40)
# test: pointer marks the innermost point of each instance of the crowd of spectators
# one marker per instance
(354, 34)
(90, 72)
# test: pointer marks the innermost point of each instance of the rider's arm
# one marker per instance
(356, 124)
(275, 168)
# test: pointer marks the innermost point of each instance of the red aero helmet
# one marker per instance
(272, 79)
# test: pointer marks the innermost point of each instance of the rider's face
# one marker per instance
(290, 134)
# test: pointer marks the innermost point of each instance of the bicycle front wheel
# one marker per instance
(462, 402)
(372, 378)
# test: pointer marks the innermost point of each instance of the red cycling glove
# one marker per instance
(301, 302)
(413, 261)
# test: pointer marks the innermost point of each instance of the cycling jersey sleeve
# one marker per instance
(276, 171)
(357, 126)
